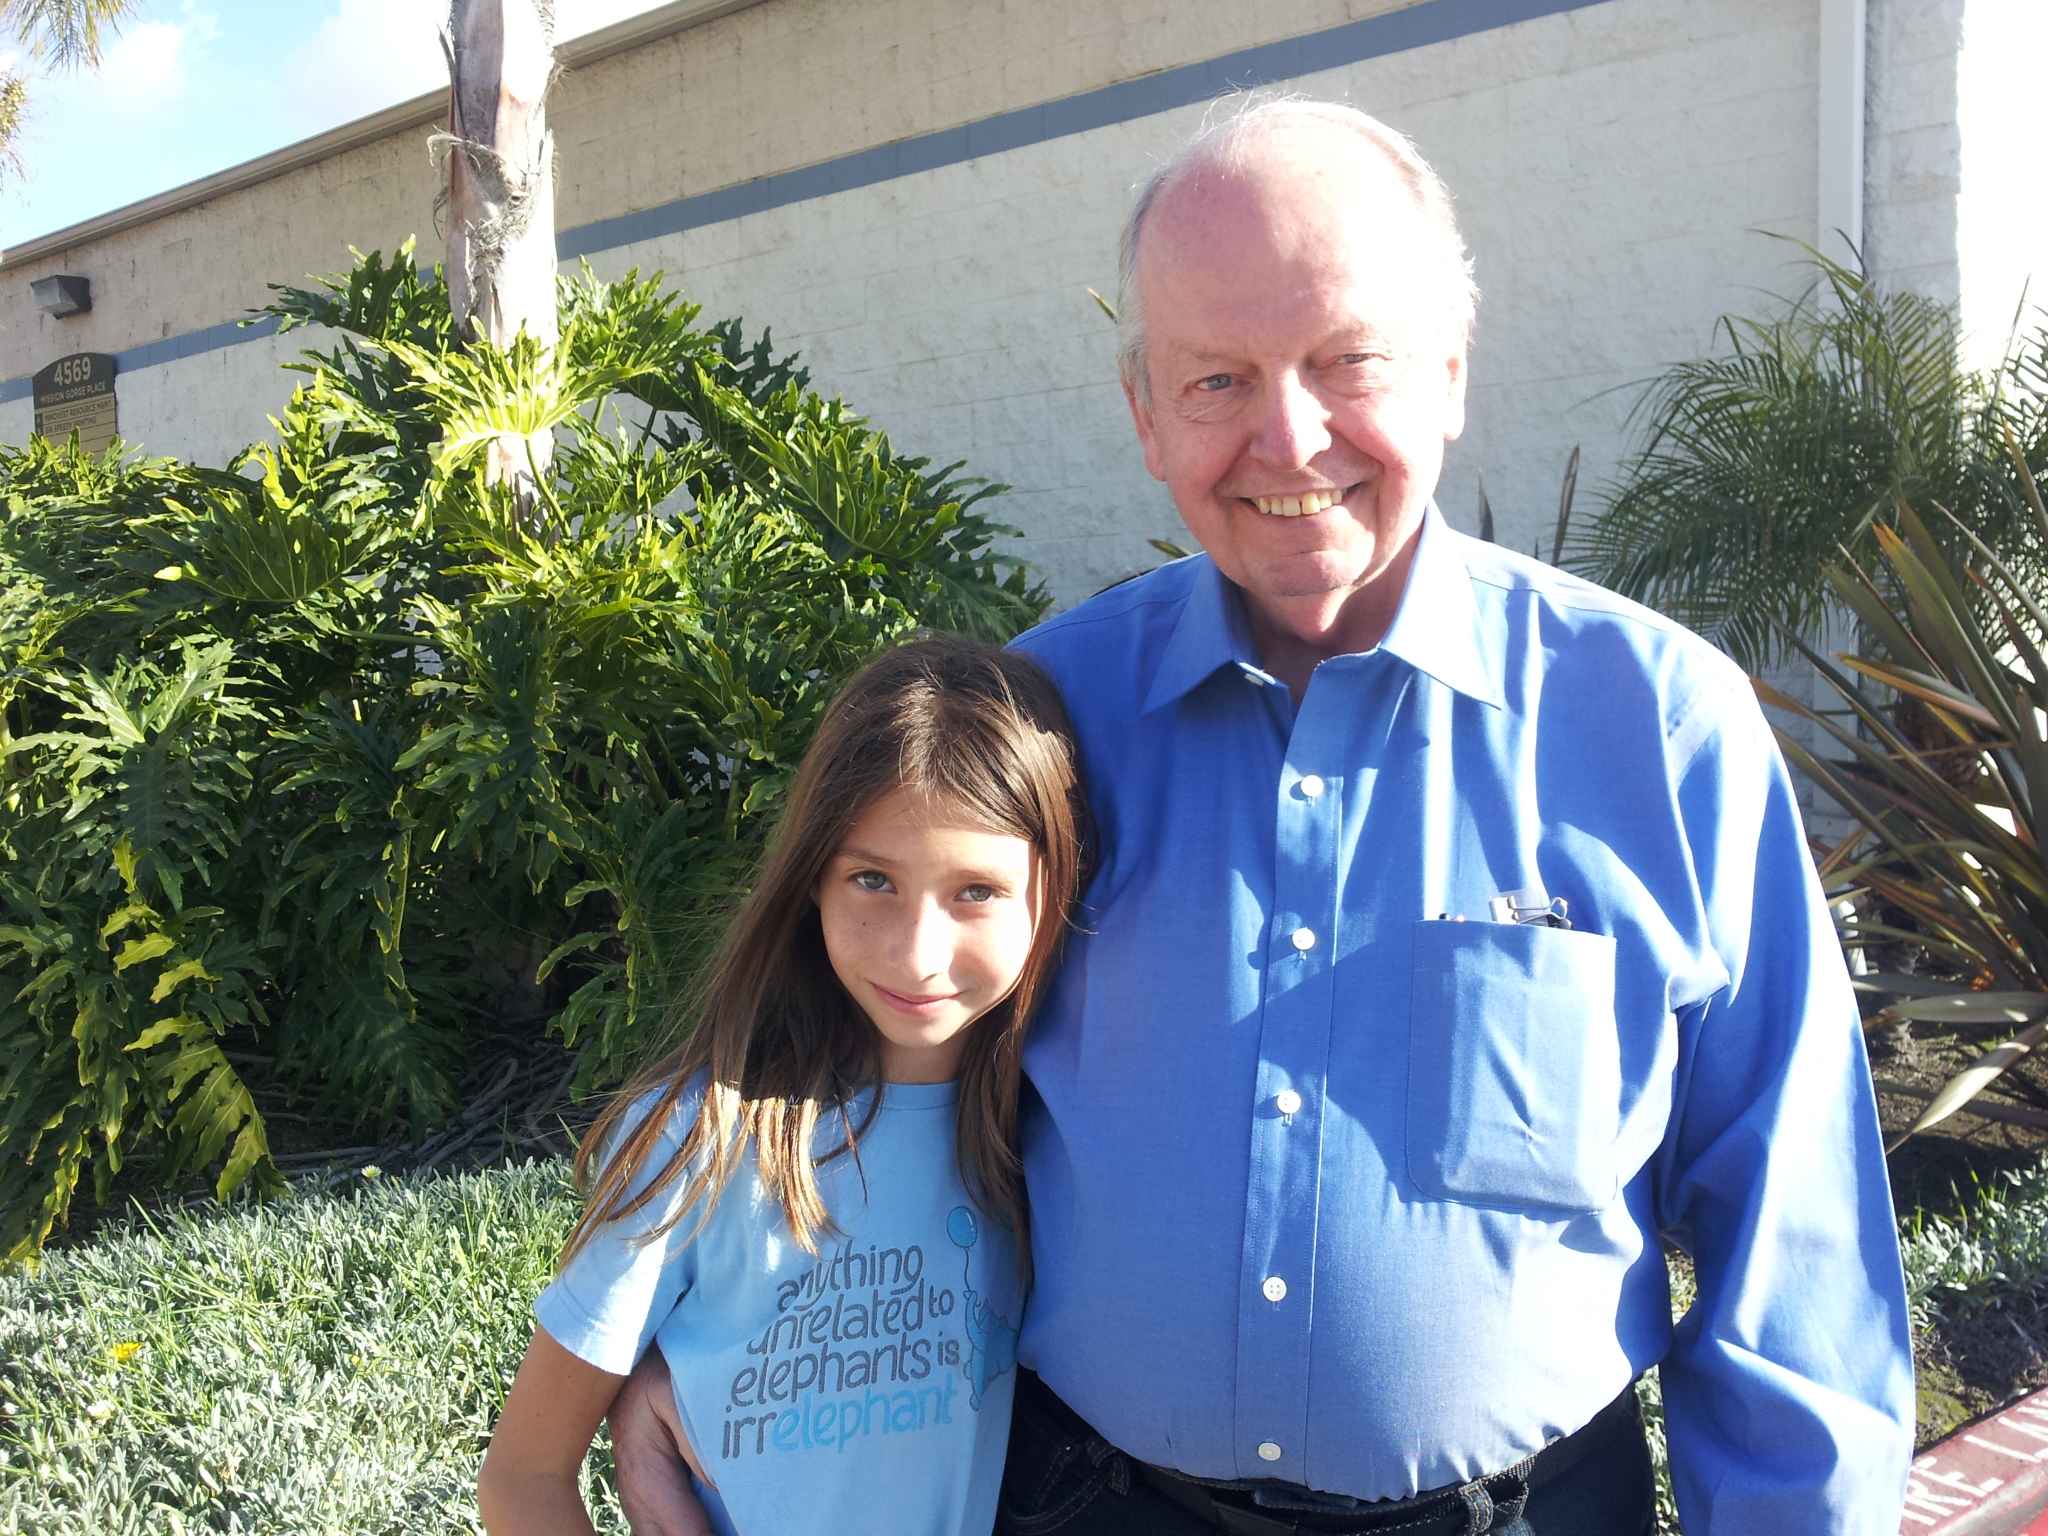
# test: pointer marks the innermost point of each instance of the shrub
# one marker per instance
(306, 764)
(1944, 854)
(1758, 466)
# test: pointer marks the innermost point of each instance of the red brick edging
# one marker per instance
(1989, 1478)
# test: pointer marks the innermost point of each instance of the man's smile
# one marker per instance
(1299, 504)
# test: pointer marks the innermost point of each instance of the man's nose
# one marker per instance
(1293, 425)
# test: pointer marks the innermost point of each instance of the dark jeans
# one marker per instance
(1063, 1477)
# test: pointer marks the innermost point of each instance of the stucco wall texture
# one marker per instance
(1614, 165)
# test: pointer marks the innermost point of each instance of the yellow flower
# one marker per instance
(125, 1351)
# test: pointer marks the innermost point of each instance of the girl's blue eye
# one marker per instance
(871, 880)
(979, 893)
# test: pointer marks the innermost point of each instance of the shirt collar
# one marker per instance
(1435, 630)
(1211, 633)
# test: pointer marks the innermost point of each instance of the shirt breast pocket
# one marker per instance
(1514, 1066)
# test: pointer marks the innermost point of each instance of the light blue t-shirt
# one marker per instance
(866, 1389)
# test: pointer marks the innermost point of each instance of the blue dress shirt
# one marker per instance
(1338, 1180)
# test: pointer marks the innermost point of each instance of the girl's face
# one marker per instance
(928, 920)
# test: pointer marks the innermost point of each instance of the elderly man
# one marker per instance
(1453, 946)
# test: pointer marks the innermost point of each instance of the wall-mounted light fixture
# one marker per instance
(62, 295)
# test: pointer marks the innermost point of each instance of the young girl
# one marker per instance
(814, 1206)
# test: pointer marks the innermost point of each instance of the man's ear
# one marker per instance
(1148, 439)
(1454, 402)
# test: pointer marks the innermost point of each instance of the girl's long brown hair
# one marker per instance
(775, 1039)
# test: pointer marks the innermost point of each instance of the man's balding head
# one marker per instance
(1236, 143)
(1296, 302)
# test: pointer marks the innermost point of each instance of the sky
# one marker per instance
(190, 87)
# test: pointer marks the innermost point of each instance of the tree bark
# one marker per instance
(501, 192)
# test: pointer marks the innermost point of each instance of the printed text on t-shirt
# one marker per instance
(850, 1354)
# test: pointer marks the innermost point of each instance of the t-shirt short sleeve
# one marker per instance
(605, 1306)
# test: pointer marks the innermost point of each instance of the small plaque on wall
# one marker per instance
(76, 394)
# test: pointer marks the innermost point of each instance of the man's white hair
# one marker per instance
(1224, 143)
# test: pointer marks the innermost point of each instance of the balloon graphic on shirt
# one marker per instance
(991, 1337)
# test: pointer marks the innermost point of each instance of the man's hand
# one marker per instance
(653, 1456)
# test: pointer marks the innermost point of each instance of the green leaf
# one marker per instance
(176, 976)
(135, 951)
(124, 861)
(162, 1030)
(575, 944)
(134, 911)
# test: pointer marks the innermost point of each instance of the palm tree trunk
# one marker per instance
(501, 193)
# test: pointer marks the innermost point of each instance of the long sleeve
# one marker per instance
(1789, 1383)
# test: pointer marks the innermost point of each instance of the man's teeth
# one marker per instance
(1297, 506)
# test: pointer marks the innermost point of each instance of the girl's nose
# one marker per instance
(927, 941)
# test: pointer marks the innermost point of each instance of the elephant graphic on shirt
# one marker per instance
(991, 1337)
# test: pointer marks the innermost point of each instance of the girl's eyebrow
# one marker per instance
(860, 856)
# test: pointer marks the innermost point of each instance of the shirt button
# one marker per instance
(1275, 1289)
(1268, 1451)
(1311, 784)
(1304, 939)
(1287, 1101)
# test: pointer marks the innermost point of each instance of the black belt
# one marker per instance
(1483, 1504)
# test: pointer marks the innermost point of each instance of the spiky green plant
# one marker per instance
(313, 766)
(1946, 822)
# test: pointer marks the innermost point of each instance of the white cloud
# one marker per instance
(146, 67)
(144, 71)
(366, 55)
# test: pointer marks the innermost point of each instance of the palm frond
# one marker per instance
(1758, 466)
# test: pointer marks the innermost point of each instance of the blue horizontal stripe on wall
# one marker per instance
(229, 333)
(1417, 26)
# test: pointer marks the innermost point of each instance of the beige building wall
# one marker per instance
(1915, 150)
(1613, 161)
(1612, 165)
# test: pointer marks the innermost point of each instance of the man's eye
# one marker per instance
(1214, 383)
(1362, 359)
(871, 880)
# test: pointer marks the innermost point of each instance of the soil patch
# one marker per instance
(515, 1104)
(1981, 1360)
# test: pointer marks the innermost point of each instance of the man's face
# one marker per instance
(1305, 374)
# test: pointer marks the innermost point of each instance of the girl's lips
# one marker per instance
(913, 1004)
